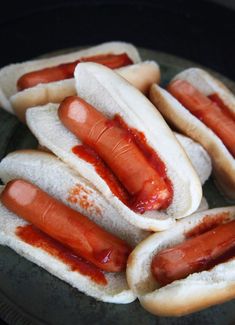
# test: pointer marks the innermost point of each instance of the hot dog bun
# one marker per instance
(222, 160)
(198, 156)
(141, 75)
(58, 180)
(112, 95)
(11, 73)
(181, 297)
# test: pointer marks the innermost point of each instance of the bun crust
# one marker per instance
(222, 161)
(181, 297)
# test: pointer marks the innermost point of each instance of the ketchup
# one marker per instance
(217, 100)
(78, 194)
(88, 154)
(208, 223)
(33, 236)
(152, 157)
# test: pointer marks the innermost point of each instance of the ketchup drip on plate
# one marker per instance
(33, 236)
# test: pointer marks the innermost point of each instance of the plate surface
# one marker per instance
(30, 295)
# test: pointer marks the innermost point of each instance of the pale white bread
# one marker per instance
(141, 75)
(11, 73)
(198, 156)
(223, 162)
(203, 205)
(57, 179)
(112, 95)
(53, 92)
(198, 290)
(115, 291)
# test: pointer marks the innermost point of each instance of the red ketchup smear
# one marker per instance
(86, 153)
(208, 223)
(152, 157)
(217, 100)
(35, 237)
(78, 194)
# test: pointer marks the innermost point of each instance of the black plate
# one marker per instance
(30, 294)
(196, 30)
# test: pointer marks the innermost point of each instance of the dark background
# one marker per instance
(202, 31)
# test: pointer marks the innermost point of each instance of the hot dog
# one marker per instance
(56, 182)
(62, 183)
(188, 268)
(43, 81)
(207, 116)
(114, 145)
(133, 122)
(219, 120)
(66, 70)
(194, 255)
(141, 75)
(67, 226)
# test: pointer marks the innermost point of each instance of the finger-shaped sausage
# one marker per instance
(194, 255)
(116, 147)
(69, 227)
(112, 61)
(215, 116)
(66, 70)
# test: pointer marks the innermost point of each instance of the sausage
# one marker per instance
(112, 61)
(66, 70)
(114, 145)
(67, 226)
(195, 255)
(215, 116)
